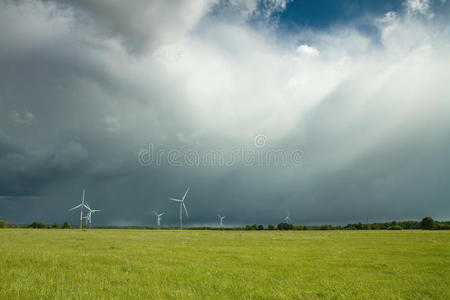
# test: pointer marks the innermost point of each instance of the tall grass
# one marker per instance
(141, 264)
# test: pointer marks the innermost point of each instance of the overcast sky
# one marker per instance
(337, 110)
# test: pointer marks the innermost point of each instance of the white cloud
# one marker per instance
(228, 79)
(25, 118)
(308, 51)
(240, 11)
(422, 7)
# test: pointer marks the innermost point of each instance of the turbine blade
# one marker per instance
(177, 200)
(185, 194)
(79, 205)
(162, 214)
(185, 210)
(155, 212)
(84, 192)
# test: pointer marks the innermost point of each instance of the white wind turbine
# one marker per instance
(80, 206)
(89, 215)
(159, 217)
(181, 207)
(221, 220)
(287, 218)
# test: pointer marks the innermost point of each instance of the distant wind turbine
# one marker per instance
(221, 220)
(80, 206)
(182, 205)
(89, 215)
(159, 217)
(287, 219)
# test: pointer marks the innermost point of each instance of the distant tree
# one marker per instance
(270, 227)
(248, 227)
(409, 224)
(37, 225)
(395, 227)
(3, 224)
(326, 227)
(427, 223)
(442, 226)
(254, 227)
(285, 226)
(260, 227)
(66, 225)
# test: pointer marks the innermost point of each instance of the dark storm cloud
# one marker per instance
(27, 172)
(86, 85)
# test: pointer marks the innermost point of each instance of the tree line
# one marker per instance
(426, 223)
(4, 224)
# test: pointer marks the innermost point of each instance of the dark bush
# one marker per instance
(3, 224)
(260, 227)
(270, 227)
(66, 225)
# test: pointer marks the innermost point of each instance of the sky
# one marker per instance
(335, 110)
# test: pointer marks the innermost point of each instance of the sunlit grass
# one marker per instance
(134, 264)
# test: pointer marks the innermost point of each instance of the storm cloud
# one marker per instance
(90, 88)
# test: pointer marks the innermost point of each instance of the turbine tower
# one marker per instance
(159, 217)
(221, 220)
(287, 219)
(81, 205)
(89, 215)
(181, 207)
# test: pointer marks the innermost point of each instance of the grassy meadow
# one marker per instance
(151, 264)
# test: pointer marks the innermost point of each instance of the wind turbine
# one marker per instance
(159, 217)
(181, 207)
(89, 215)
(287, 218)
(221, 220)
(81, 209)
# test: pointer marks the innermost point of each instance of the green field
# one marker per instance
(150, 264)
